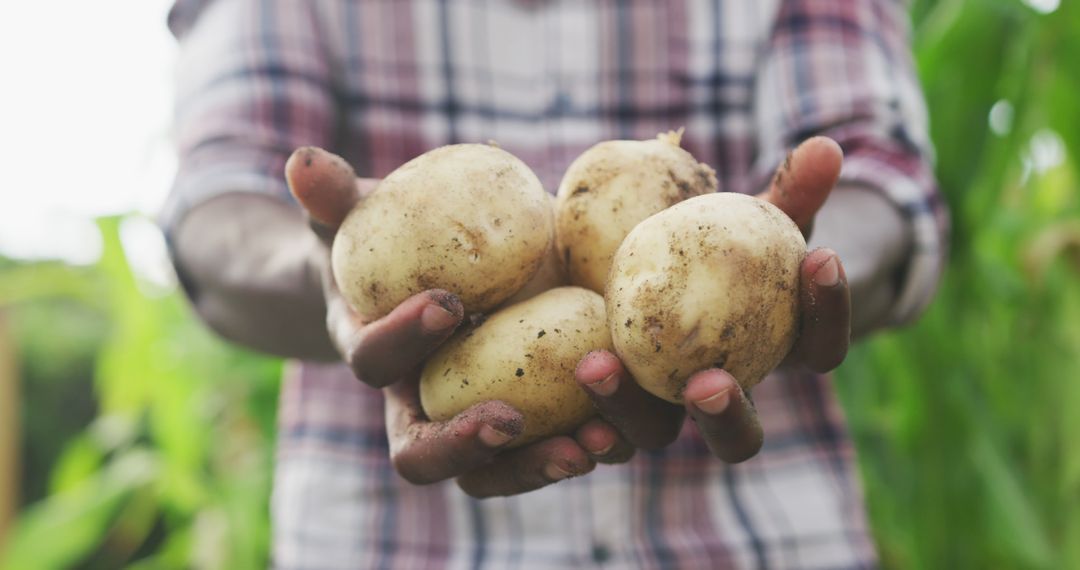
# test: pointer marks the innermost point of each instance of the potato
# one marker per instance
(524, 355)
(710, 282)
(613, 186)
(471, 219)
(550, 275)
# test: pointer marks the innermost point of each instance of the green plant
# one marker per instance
(963, 421)
(174, 470)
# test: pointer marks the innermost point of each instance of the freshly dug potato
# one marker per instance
(710, 282)
(613, 186)
(524, 355)
(551, 274)
(468, 218)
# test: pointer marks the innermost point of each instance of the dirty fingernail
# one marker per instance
(605, 387)
(828, 274)
(555, 473)
(437, 319)
(716, 403)
(493, 437)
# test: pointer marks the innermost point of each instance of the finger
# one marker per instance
(724, 415)
(528, 468)
(425, 452)
(389, 349)
(603, 442)
(644, 420)
(324, 184)
(825, 328)
(801, 185)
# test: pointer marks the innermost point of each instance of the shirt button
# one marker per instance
(600, 553)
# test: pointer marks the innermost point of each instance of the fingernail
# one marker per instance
(493, 437)
(828, 274)
(437, 319)
(605, 387)
(716, 403)
(602, 451)
(307, 153)
(555, 473)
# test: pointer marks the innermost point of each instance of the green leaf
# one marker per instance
(64, 528)
(1015, 522)
(80, 461)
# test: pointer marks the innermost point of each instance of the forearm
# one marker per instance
(873, 240)
(255, 267)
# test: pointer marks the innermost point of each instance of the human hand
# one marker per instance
(386, 350)
(723, 412)
(389, 352)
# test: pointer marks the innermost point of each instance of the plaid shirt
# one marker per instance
(381, 81)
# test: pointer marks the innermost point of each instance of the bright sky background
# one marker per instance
(84, 124)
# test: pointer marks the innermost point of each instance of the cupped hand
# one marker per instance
(471, 447)
(389, 352)
(724, 414)
(389, 349)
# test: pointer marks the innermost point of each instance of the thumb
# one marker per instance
(387, 350)
(804, 181)
(324, 184)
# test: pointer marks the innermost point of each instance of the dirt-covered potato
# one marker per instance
(550, 275)
(471, 219)
(710, 282)
(524, 355)
(613, 186)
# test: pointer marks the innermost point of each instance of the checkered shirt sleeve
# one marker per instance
(844, 69)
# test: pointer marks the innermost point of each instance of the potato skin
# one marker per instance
(471, 219)
(710, 282)
(524, 355)
(613, 186)
(551, 274)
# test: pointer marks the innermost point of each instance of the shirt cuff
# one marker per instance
(194, 188)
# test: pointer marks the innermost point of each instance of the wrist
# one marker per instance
(257, 267)
(873, 239)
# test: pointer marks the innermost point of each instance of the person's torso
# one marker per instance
(546, 80)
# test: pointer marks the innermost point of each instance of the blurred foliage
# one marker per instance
(167, 443)
(57, 374)
(964, 422)
(149, 442)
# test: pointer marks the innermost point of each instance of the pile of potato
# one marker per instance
(691, 278)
